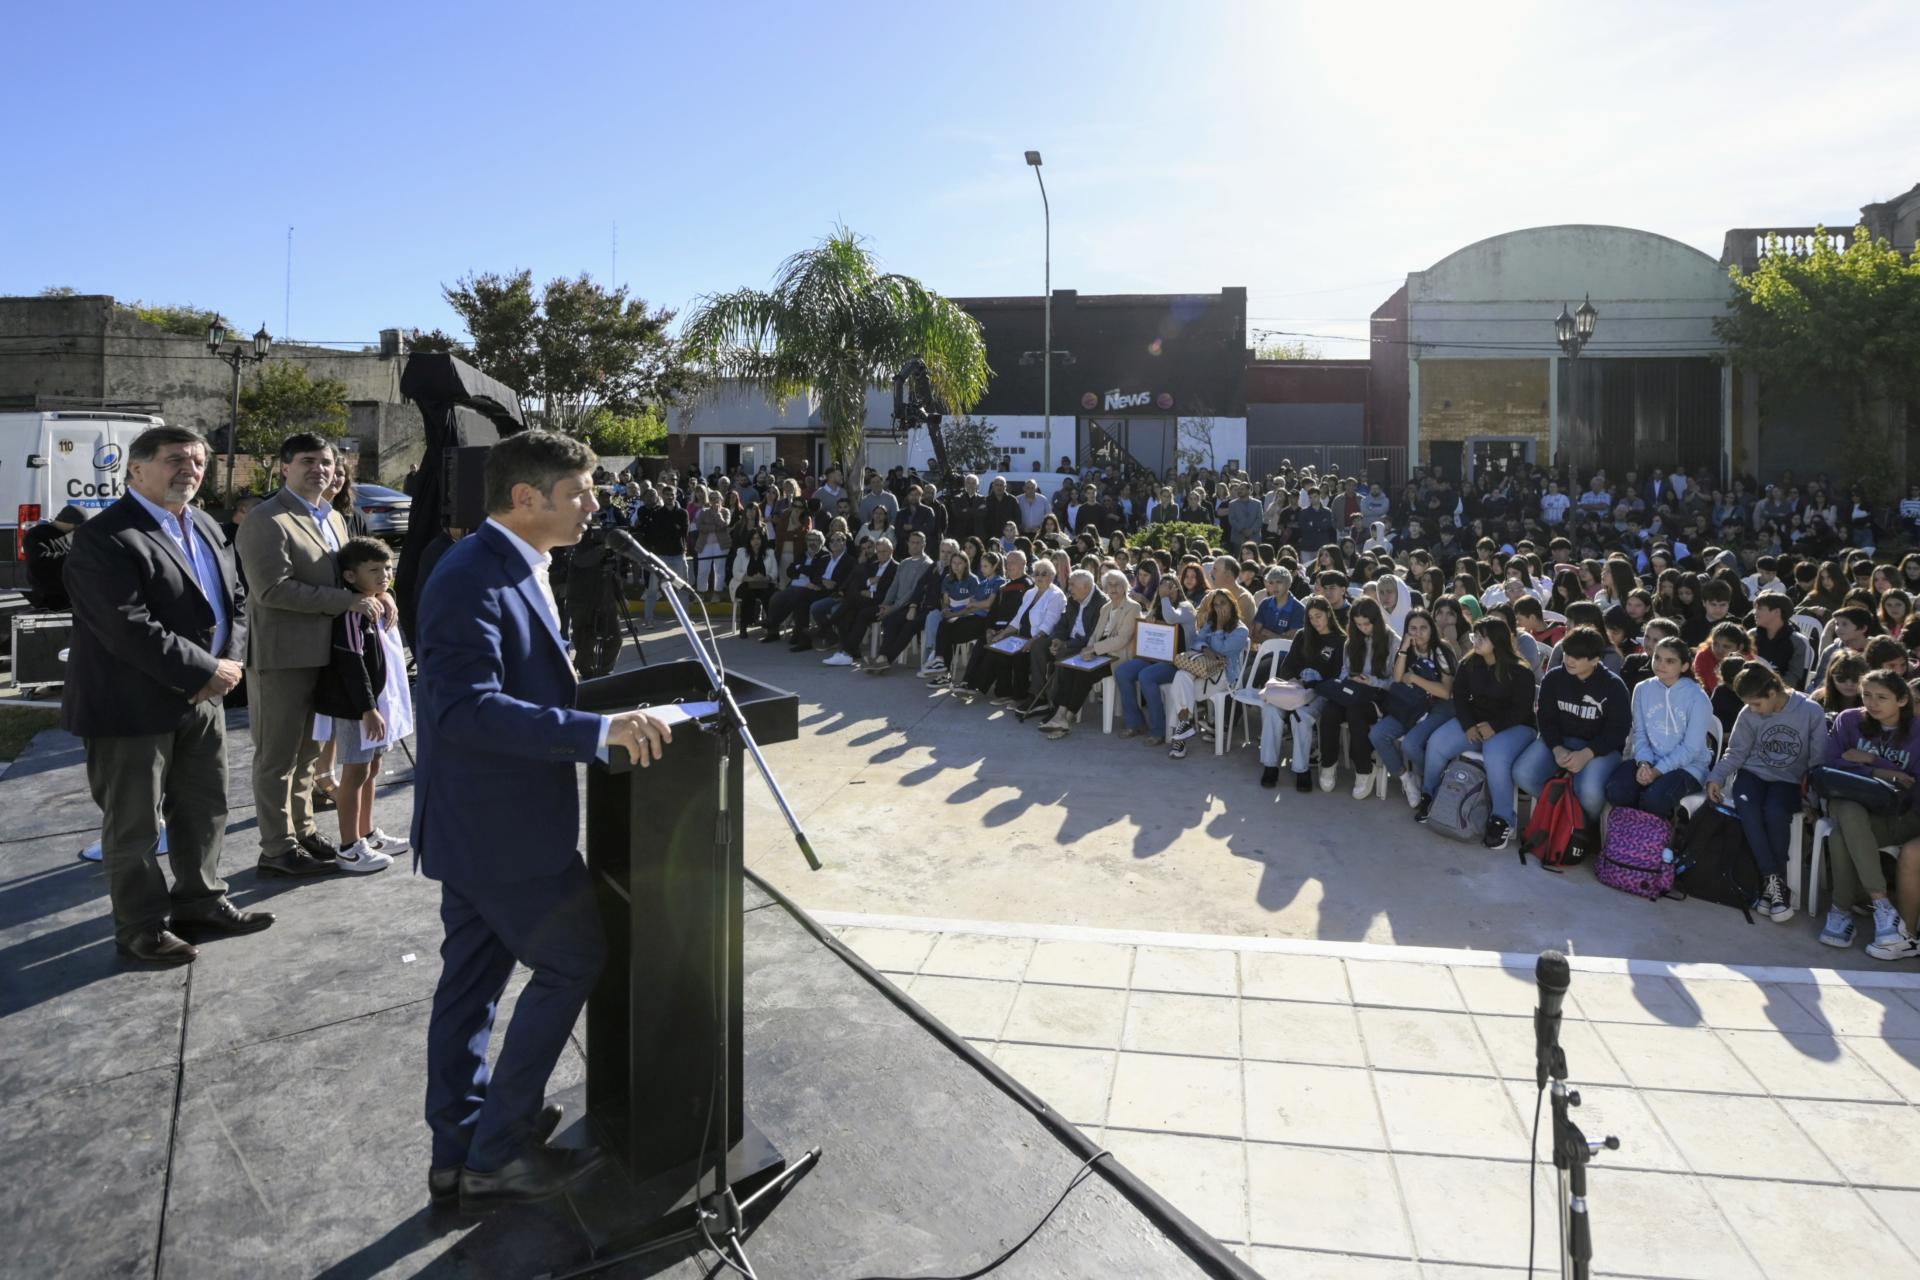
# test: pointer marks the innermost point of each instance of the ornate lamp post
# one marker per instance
(234, 357)
(1573, 330)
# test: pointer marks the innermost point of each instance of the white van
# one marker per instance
(52, 457)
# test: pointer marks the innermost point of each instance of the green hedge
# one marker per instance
(1158, 535)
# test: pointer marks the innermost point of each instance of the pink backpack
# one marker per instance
(1637, 857)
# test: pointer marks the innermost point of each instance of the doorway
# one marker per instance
(725, 453)
(1491, 457)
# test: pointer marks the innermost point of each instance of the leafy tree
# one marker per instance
(284, 398)
(572, 349)
(439, 341)
(970, 445)
(1281, 349)
(1837, 320)
(623, 434)
(186, 320)
(59, 291)
(833, 327)
(1195, 448)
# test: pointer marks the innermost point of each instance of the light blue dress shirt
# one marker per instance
(200, 559)
(320, 512)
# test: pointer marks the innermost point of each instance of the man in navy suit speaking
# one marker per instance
(496, 820)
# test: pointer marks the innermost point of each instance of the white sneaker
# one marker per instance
(932, 665)
(1328, 777)
(384, 843)
(1362, 785)
(360, 859)
(838, 658)
(1411, 784)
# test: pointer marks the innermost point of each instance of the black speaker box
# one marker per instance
(464, 492)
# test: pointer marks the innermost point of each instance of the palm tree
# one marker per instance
(833, 327)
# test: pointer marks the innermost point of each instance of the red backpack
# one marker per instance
(1557, 832)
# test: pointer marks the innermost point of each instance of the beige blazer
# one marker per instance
(293, 584)
(1113, 634)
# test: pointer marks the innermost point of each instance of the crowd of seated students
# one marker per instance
(1617, 643)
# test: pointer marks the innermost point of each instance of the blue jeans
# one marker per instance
(1140, 680)
(1401, 748)
(1536, 765)
(1497, 754)
(1274, 722)
(1766, 812)
(1660, 797)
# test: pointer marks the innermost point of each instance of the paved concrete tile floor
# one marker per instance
(1339, 1110)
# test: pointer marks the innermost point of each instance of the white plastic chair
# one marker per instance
(1810, 627)
(1246, 696)
(1553, 619)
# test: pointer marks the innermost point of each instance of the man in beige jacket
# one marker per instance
(287, 547)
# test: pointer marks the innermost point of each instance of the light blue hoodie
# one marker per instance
(1670, 726)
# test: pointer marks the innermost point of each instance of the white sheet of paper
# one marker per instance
(678, 712)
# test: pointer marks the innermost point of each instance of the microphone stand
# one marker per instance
(717, 1211)
(1571, 1153)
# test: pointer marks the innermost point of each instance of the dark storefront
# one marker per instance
(1126, 369)
(1629, 414)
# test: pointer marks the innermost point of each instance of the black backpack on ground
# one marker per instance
(1711, 860)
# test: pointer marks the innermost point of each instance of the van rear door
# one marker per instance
(86, 461)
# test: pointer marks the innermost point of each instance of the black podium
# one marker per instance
(654, 851)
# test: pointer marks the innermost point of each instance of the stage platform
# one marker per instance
(257, 1114)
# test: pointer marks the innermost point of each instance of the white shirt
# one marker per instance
(1042, 609)
(537, 566)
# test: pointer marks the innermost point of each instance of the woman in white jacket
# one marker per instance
(756, 575)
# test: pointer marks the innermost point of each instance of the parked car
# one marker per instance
(385, 510)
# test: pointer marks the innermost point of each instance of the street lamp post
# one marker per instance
(1573, 330)
(234, 357)
(1046, 341)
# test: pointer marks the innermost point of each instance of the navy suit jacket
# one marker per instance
(496, 797)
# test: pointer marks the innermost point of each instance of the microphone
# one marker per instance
(1551, 972)
(627, 547)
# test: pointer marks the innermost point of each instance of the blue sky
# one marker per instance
(1313, 153)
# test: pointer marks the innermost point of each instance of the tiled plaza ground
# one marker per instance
(1347, 1112)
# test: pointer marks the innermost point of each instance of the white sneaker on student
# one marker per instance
(1328, 777)
(384, 843)
(1410, 785)
(359, 858)
(1362, 785)
(838, 658)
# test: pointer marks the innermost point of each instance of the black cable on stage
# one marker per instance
(1533, 1177)
(1080, 1175)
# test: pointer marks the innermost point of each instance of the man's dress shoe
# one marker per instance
(443, 1183)
(158, 947)
(294, 862)
(539, 1173)
(226, 918)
